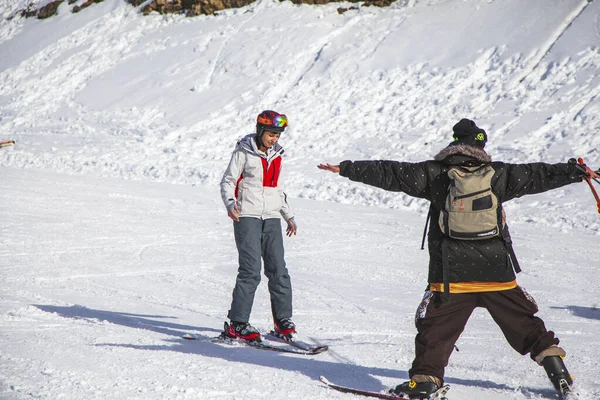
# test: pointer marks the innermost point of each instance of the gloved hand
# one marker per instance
(291, 227)
(582, 171)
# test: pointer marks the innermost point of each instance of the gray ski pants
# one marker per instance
(256, 238)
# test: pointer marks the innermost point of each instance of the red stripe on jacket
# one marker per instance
(271, 172)
(270, 175)
(237, 186)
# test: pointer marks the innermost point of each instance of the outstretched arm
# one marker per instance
(410, 178)
(516, 180)
(329, 167)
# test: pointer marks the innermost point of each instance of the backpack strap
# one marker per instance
(425, 230)
(512, 258)
(505, 235)
(446, 270)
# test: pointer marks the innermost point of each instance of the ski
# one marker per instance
(261, 345)
(437, 395)
(293, 341)
(7, 143)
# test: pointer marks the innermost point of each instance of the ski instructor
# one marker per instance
(471, 261)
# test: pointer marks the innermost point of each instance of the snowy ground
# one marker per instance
(101, 278)
(114, 241)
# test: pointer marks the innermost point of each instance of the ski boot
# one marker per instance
(414, 390)
(242, 330)
(558, 374)
(285, 327)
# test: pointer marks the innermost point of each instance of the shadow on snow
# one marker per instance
(583, 312)
(342, 372)
(153, 323)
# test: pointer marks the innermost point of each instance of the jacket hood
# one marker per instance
(248, 143)
(460, 153)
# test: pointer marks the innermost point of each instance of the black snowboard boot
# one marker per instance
(415, 390)
(558, 374)
(285, 326)
(242, 330)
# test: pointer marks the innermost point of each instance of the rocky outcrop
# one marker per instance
(206, 7)
(51, 8)
(341, 10)
(84, 5)
(190, 8)
(43, 12)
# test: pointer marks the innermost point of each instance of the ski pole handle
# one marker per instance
(595, 175)
(591, 174)
(588, 178)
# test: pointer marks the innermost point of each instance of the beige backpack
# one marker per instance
(471, 208)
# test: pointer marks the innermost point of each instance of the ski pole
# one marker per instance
(588, 178)
(594, 175)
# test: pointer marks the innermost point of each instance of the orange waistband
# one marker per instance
(474, 287)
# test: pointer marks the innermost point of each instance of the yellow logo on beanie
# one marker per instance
(480, 136)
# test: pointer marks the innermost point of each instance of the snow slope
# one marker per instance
(115, 242)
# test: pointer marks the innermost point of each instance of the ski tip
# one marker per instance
(190, 336)
(324, 380)
(7, 143)
(320, 349)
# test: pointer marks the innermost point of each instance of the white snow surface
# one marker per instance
(115, 243)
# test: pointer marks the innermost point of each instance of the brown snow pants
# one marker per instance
(440, 323)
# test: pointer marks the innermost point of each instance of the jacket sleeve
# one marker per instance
(286, 210)
(231, 176)
(410, 178)
(516, 180)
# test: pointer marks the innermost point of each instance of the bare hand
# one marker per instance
(328, 167)
(234, 214)
(291, 228)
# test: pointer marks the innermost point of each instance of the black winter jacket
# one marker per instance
(468, 261)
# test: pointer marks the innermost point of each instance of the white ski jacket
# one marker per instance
(253, 179)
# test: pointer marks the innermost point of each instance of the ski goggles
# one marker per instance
(279, 121)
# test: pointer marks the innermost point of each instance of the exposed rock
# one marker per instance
(49, 9)
(207, 7)
(76, 9)
(378, 3)
(30, 11)
(367, 3)
(190, 8)
(342, 10)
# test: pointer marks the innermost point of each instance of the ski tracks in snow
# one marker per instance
(304, 62)
(229, 35)
(69, 67)
(534, 61)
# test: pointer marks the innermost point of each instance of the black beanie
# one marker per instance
(466, 132)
